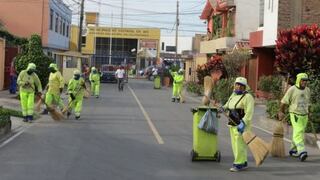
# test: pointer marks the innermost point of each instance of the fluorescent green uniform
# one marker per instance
(95, 82)
(177, 84)
(239, 147)
(76, 87)
(56, 82)
(28, 84)
(298, 101)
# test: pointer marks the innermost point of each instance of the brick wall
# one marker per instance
(294, 12)
(311, 11)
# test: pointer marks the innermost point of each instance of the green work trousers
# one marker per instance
(239, 147)
(76, 105)
(54, 99)
(95, 89)
(299, 123)
(27, 103)
(176, 90)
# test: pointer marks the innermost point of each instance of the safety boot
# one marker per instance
(293, 153)
(77, 117)
(303, 156)
(25, 119)
(178, 100)
(239, 167)
(45, 111)
(173, 100)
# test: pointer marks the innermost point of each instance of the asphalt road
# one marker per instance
(135, 134)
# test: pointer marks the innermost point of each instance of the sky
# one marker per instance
(146, 14)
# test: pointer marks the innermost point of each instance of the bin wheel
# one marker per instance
(193, 155)
(218, 156)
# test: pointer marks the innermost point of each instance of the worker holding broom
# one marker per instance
(240, 108)
(54, 88)
(29, 84)
(298, 99)
(76, 88)
(94, 78)
(177, 85)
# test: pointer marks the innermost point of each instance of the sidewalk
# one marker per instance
(261, 120)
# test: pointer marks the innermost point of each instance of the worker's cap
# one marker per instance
(76, 72)
(180, 71)
(31, 66)
(93, 68)
(303, 76)
(53, 65)
(241, 81)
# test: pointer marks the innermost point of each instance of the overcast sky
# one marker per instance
(146, 13)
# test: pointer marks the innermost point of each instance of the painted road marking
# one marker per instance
(147, 117)
(19, 132)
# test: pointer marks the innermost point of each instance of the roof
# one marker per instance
(206, 12)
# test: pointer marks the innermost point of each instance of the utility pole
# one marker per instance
(122, 8)
(80, 27)
(177, 27)
(110, 41)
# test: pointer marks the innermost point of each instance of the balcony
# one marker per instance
(215, 45)
(222, 3)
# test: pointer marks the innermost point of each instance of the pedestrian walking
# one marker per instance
(297, 98)
(120, 73)
(30, 85)
(95, 82)
(54, 88)
(178, 79)
(76, 89)
(240, 107)
(13, 79)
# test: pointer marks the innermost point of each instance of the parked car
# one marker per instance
(108, 73)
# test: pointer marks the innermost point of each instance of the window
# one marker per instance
(67, 30)
(189, 71)
(64, 28)
(162, 46)
(51, 19)
(83, 41)
(60, 25)
(71, 62)
(261, 17)
(57, 23)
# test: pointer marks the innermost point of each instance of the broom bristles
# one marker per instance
(257, 146)
(38, 105)
(55, 115)
(277, 148)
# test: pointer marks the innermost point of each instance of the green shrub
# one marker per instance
(235, 61)
(223, 89)
(193, 87)
(271, 84)
(35, 55)
(10, 112)
(273, 107)
(314, 86)
(314, 118)
(4, 120)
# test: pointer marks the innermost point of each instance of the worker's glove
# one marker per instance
(39, 94)
(61, 90)
(92, 81)
(72, 96)
(241, 126)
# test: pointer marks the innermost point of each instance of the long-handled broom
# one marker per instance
(55, 115)
(207, 84)
(257, 146)
(277, 148)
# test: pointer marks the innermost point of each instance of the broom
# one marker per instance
(257, 146)
(277, 148)
(55, 115)
(66, 108)
(207, 84)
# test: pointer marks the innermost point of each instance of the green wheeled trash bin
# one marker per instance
(205, 145)
(157, 82)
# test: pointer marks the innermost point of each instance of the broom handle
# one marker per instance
(69, 104)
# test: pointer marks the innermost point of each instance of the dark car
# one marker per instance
(108, 73)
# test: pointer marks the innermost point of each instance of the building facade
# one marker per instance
(274, 16)
(51, 19)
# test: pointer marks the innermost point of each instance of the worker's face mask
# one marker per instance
(94, 71)
(52, 70)
(30, 71)
(77, 76)
(238, 92)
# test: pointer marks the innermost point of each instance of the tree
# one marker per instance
(214, 64)
(35, 55)
(297, 50)
(235, 61)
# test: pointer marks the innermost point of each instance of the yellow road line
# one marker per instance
(151, 125)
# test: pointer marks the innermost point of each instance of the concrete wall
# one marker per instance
(184, 43)
(270, 28)
(23, 18)
(2, 59)
(245, 21)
